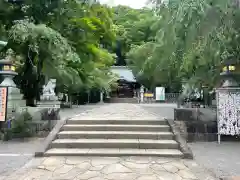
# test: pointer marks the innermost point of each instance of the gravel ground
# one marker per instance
(223, 159)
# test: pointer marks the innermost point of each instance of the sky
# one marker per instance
(132, 3)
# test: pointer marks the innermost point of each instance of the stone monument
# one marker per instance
(142, 94)
(49, 99)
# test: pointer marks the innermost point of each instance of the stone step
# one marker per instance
(123, 100)
(114, 135)
(117, 121)
(115, 143)
(115, 127)
(174, 153)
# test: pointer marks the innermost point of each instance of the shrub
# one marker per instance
(21, 126)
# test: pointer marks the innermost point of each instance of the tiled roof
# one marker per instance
(124, 73)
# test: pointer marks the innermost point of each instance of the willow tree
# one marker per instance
(192, 39)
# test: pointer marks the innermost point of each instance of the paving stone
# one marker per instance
(190, 163)
(70, 175)
(170, 168)
(63, 169)
(89, 174)
(48, 168)
(148, 177)
(135, 166)
(178, 164)
(97, 178)
(104, 161)
(37, 174)
(157, 167)
(140, 160)
(76, 160)
(163, 175)
(116, 168)
(162, 160)
(84, 166)
(96, 168)
(121, 176)
(187, 174)
(53, 161)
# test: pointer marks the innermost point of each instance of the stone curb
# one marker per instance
(187, 153)
(229, 178)
(51, 136)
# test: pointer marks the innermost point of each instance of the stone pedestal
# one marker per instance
(49, 104)
(49, 111)
(15, 102)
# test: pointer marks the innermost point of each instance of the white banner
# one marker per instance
(160, 93)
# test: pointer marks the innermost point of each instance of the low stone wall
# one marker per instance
(196, 124)
(43, 121)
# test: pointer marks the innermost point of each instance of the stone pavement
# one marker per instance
(16, 153)
(111, 168)
(165, 110)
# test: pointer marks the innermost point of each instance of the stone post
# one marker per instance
(101, 97)
(142, 94)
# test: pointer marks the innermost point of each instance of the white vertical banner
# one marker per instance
(160, 93)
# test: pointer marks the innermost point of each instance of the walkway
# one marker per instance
(16, 153)
(112, 168)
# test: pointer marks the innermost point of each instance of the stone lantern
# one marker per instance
(229, 73)
(14, 97)
(7, 71)
(228, 100)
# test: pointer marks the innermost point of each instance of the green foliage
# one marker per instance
(21, 126)
(192, 38)
(67, 40)
(133, 27)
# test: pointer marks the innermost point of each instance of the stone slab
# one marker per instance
(114, 152)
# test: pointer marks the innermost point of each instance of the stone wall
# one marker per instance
(43, 121)
(196, 124)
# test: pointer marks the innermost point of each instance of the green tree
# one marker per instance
(70, 44)
(133, 28)
(193, 37)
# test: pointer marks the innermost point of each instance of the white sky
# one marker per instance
(132, 3)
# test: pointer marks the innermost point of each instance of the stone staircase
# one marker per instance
(85, 136)
(123, 100)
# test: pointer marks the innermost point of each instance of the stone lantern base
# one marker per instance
(15, 102)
